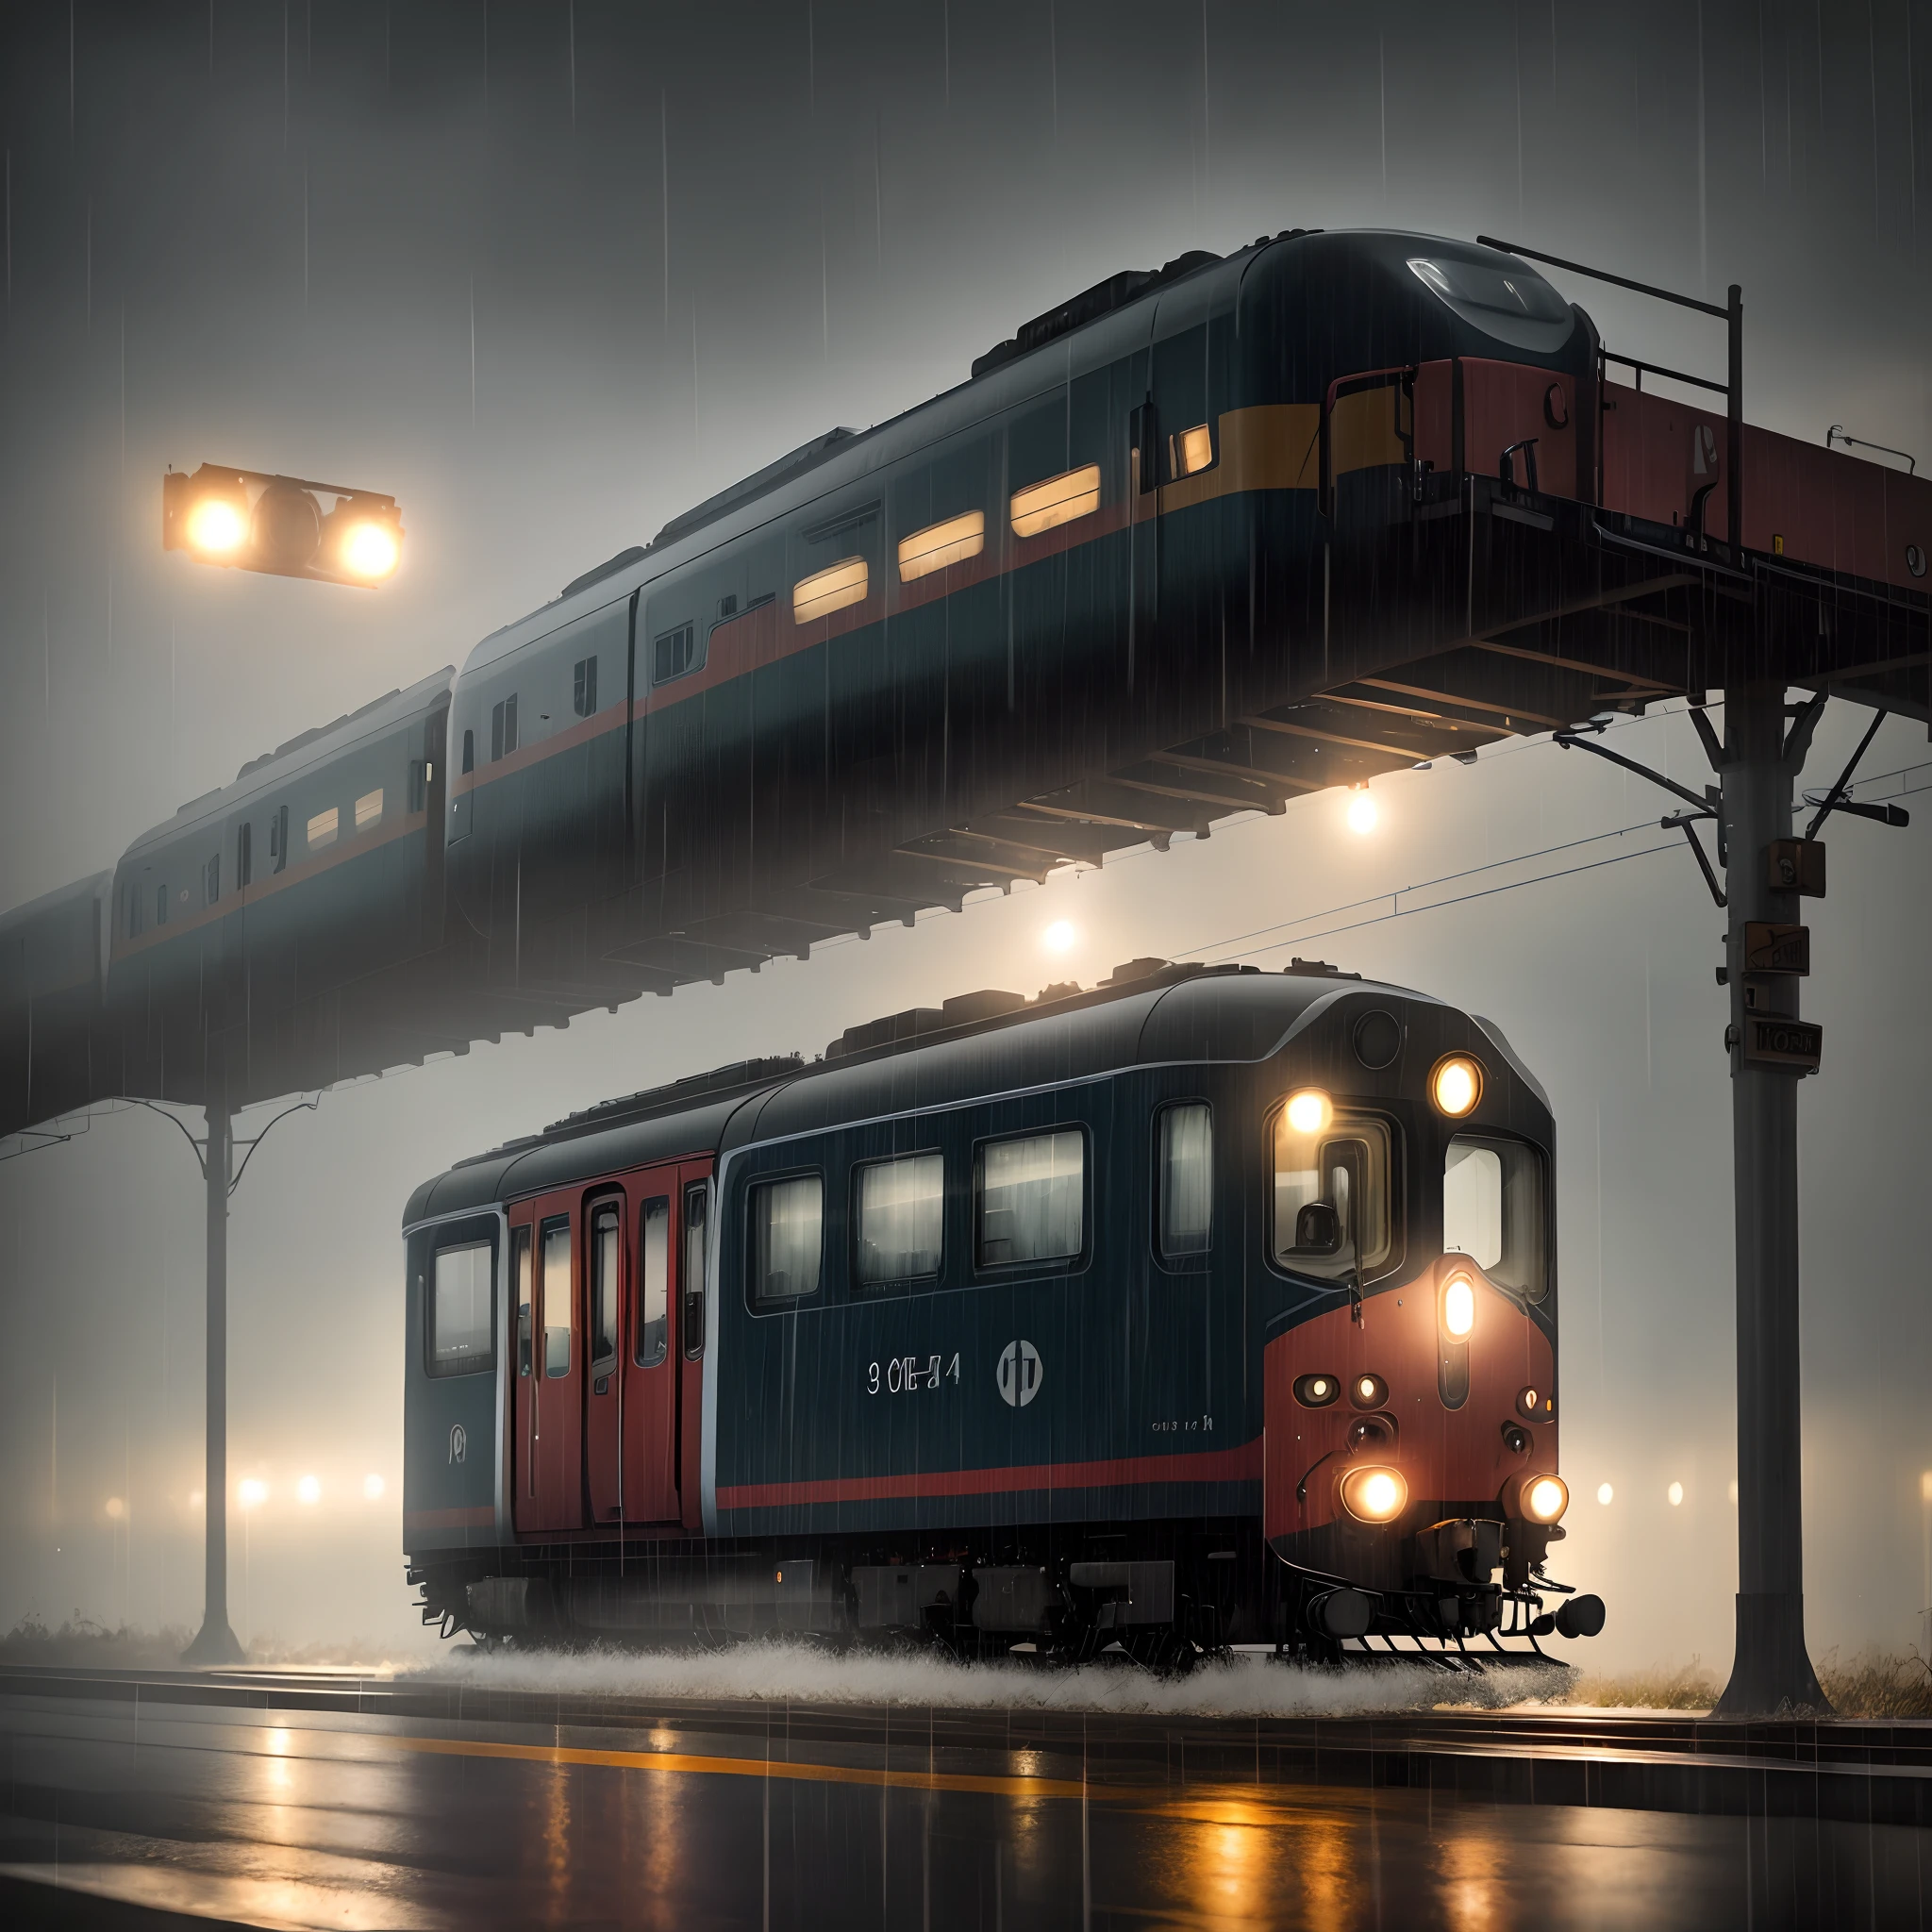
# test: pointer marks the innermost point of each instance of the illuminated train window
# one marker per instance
(939, 544)
(1059, 500)
(369, 809)
(556, 1297)
(1492, 1209)
(1186, 1133)
(848, 581)
(1189, 451)
(899, 1213)
(1344, 1166)
(1032, 1199)
(786, 1229)
(322, 829)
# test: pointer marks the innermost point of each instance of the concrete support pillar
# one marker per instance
(1773, 1669)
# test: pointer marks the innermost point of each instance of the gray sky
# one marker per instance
(550, 274)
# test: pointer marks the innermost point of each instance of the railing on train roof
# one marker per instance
(1731, 314)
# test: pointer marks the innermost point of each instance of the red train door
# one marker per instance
(549, 1462)
(649, 1459)
(608, 1269)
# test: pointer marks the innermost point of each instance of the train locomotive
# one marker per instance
(1206, 1307)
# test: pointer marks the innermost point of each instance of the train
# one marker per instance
(1205, 1306)
(1197, 542)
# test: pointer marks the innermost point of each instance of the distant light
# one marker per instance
(373, 1487)
(370, 550)
(1060, 936)
(308, 1491)
(1605, 1495)
(116, 1508)
(1676, 1493)
(252, 1493)
(216, 526)
(1361, 812)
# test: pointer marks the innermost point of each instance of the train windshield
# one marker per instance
(1492, 1209)
(1345, 1167)
(1511, 302)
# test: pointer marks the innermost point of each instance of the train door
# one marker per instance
(548, 1463)
(637, 1460)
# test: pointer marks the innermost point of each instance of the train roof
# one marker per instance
(276, 768)
(1149, 1012)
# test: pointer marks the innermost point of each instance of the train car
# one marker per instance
(246, 928)
(1206, 1307)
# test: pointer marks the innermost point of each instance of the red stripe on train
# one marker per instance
(1242, 1464)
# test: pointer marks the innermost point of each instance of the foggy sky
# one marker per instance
(551, 273)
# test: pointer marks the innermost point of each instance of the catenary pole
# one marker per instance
(1771, 1669)
(215, 1642)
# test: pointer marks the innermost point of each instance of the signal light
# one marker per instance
(244, 520)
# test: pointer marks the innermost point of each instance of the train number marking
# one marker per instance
(1020, 1374)
(907, 1373)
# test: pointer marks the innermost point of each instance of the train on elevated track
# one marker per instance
(1197, 542)
(1207, 1307)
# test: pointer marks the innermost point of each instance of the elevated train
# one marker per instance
(1197, 542)
(1205, 1306)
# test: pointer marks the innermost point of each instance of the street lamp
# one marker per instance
(244, 520)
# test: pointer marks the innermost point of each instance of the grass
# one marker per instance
(1870, 1683)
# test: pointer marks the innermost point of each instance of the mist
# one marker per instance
(550, 274)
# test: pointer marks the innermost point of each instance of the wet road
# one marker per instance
(257, 1810)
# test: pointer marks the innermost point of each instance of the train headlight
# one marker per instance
(1309, 1110)
(1317, 1391)
(1368, 1391)
(1375, 1494)
(1546, 1499)
(1456, 1085)
(1459, 1306)
(369, 551)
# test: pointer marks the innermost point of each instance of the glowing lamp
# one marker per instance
(1309, 1110)
(1361, 812)
(1459, 1306)
(247, 520)
(1456, 1084)
(1374, 1494)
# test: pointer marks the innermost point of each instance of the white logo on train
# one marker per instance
(1020, 1374)
(458, 1442)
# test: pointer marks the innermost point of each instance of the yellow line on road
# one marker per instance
(751, 1767)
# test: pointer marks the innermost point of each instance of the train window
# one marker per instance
(244, 856)
(1189, 451)
(786, 1244)
(1032, 1198)
(469, 750)
(1344, 1166)
(697, 1198)
(674, 652)
(369, 809)
(1508, 301)
(503, 728)
(556, 1297)
(278, 838)
(211, 880)
(134, 912)
(322, 829)
(583, 695)
(939, 544)
(848, 581)
(900, 1209)
(1186, 1192)
(461, 1331)
(160, 905)
(607, 1234)
(1492, 1209)
(520, 1266)
(1057, 500)
(653, 1281)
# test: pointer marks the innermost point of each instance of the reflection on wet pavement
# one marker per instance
(289, 1818)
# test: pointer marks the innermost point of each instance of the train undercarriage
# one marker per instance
(1458, 1592)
